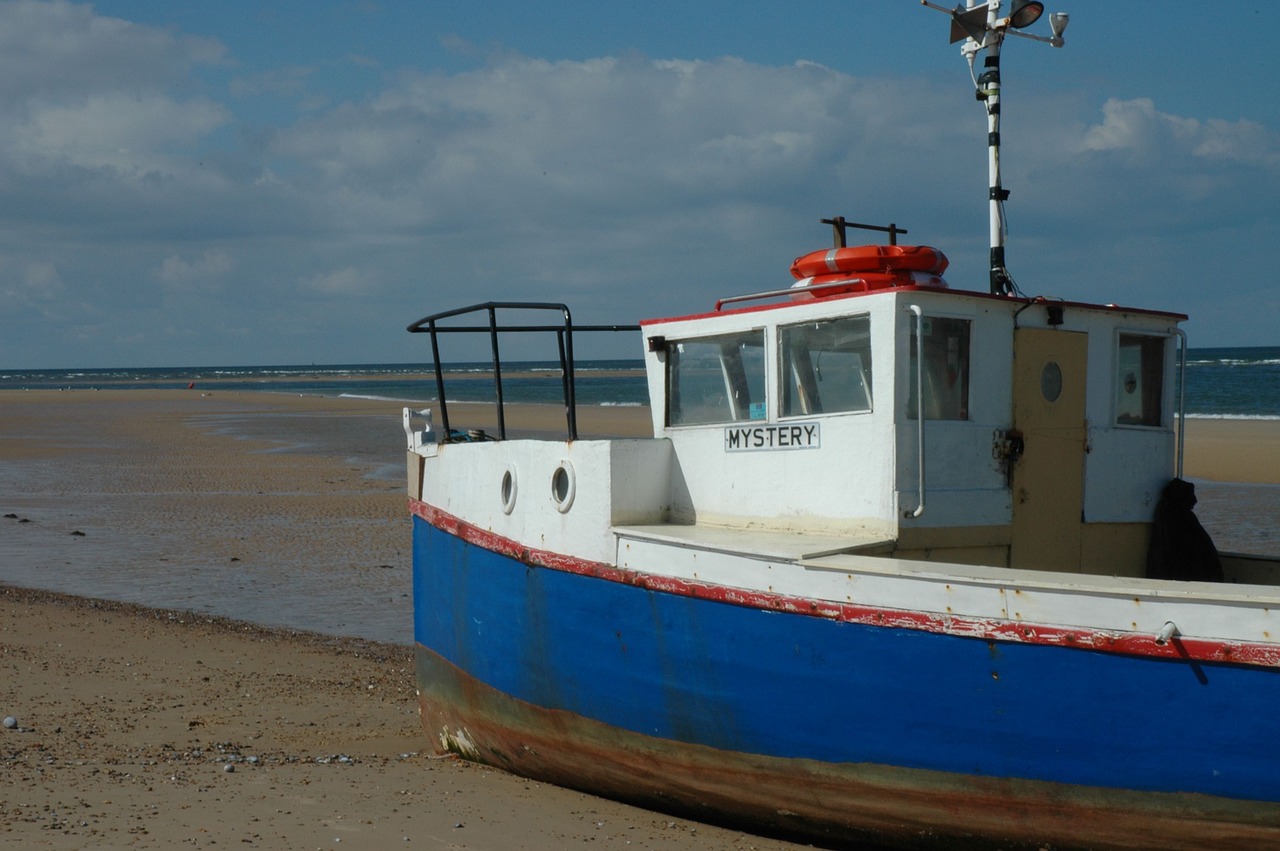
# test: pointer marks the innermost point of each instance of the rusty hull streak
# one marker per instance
(1125, 643)
(830, 804)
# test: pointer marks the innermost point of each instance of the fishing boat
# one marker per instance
(900, 563)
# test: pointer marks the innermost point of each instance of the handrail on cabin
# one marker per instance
(564, 342)
(1182, 397)
(919, 381)
(791, 291)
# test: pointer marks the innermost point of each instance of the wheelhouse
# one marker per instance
(804, 416)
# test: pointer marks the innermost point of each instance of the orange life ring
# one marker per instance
(870, 258)
(823, 286)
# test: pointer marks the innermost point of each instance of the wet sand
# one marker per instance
(174, 725)
(1233, 450)
(286, 510)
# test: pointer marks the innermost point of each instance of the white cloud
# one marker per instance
(605, 137)
(339, 282)
(65, 49)
(119, 130)
(1137, 127)
(38, 282)
(180, 275)
(98, 117)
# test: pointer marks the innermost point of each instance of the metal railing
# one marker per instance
(564, 341)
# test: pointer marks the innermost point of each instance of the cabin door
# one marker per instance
(1048, 479)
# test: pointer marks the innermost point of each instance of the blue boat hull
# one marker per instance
(829, 729)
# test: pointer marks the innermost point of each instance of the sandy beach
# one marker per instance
(1233, 450)
(180, 723)
(149, 727)
(145, 728)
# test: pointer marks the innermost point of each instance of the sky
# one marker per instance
(267, 182)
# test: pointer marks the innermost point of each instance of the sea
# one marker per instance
(336, 592)
(596, 382)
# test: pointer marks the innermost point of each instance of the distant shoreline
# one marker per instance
(1246, 417)
(398, 377)
(428, 382)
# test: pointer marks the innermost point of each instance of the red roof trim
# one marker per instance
(757, 308)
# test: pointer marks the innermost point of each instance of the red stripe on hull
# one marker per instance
(1126, 643)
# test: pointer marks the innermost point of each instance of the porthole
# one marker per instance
(563, 486)
(1051, 381)
(508, 491)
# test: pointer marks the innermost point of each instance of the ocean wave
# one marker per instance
(1234, 362)
(374, 398)
(1265, 417)
(516, 402)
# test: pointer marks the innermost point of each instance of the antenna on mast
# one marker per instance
(981, 27)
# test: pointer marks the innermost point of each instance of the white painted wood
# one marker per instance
(1110, 604)
(755, 543)
(624, 481)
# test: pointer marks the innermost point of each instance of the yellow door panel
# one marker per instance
(1048, 479)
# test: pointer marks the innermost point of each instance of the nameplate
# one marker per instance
(774, 436)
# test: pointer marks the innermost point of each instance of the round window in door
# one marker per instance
(1051, 381)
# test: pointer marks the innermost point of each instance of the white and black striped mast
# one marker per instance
(983, 28)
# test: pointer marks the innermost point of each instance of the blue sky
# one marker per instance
(294, 182)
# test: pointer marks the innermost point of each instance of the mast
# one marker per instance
(988, 91)
(983, 29)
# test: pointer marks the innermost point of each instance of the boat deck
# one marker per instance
(771, 544)
(863, 555)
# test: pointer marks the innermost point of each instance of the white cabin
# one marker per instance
(1048, 431)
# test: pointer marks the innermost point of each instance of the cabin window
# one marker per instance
(1140, 380)
(716, 379)
(826, 366)
(946, 369)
